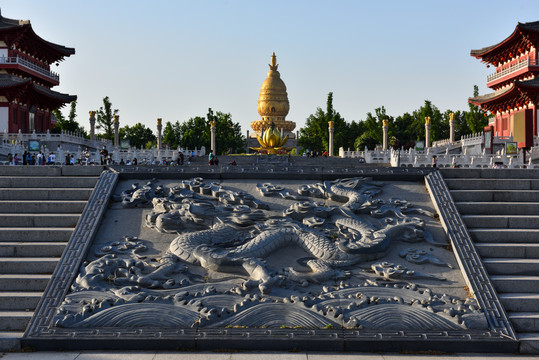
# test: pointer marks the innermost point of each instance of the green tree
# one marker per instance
(439, 126)
(315, 134)
(138, 135)
(372, 134)
(105, 118)
(69, 124)
(195, 132)
(172, 134)
(476, 118)
(228, 134)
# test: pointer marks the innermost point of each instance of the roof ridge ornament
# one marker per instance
(273, 64)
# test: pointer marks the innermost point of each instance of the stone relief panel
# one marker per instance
(350, 253)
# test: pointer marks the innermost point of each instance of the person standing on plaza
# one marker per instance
(104, 153)
(86, 157)
(210, 157)
(29, 158)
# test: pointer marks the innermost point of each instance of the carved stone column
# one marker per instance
(385, 130)
(331, 131)
(213, 129)
(427, 132)
(116, 130)
(92, 126)
(247, 144)
(451, 127)
(159, 134)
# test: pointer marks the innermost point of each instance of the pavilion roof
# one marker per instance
(524, 36)
(21, 34)
(13, 86)
(516, 94)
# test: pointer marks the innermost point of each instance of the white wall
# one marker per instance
(4, 119)
(3, 52)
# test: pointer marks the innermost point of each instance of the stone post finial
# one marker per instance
(92, 125)
(116, 130)
(451, 127)
(331, 129)
(213, 130)
(385, 127)
(159, 134)
(427, 132)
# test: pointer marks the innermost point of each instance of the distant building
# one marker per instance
(26, 98)
(514, 102)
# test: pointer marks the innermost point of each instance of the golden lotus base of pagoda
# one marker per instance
(271, 141)
(287, 126)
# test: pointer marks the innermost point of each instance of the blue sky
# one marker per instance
(175, 59)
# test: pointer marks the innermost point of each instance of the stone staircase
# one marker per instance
(39, 208)
(500, 208)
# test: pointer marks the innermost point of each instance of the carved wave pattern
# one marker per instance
(398, 317)
(272, 315)
(141, 315)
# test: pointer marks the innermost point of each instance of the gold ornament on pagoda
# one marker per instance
(273, 106)
(271, 141)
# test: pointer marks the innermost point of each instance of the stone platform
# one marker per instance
(366, 304)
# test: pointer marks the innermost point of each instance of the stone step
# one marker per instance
(502, 221)
(516, 283)
(449, 173)
(13, 320)
(10, 340)
(495, 195)
(39, 220)
(28, 265)
(511, 266)
(501, 250)
(47, 182)
(504, 235)
(524, 321)
(45, 194)
(32, 249)
(529, 342)
(19, 300)
(32, 170)
(498, 208)
(24, 282)
(42, 206)
(492, 184)
(36, 234)
(520, 301)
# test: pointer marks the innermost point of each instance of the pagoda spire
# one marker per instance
(273, 64)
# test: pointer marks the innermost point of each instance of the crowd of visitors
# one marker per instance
(314, 153)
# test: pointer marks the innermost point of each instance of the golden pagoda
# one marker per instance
(273, 106)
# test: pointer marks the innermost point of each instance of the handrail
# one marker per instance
(521, 64)
(21, 61)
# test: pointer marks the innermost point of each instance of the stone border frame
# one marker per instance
(42, 334)
(467, 256)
